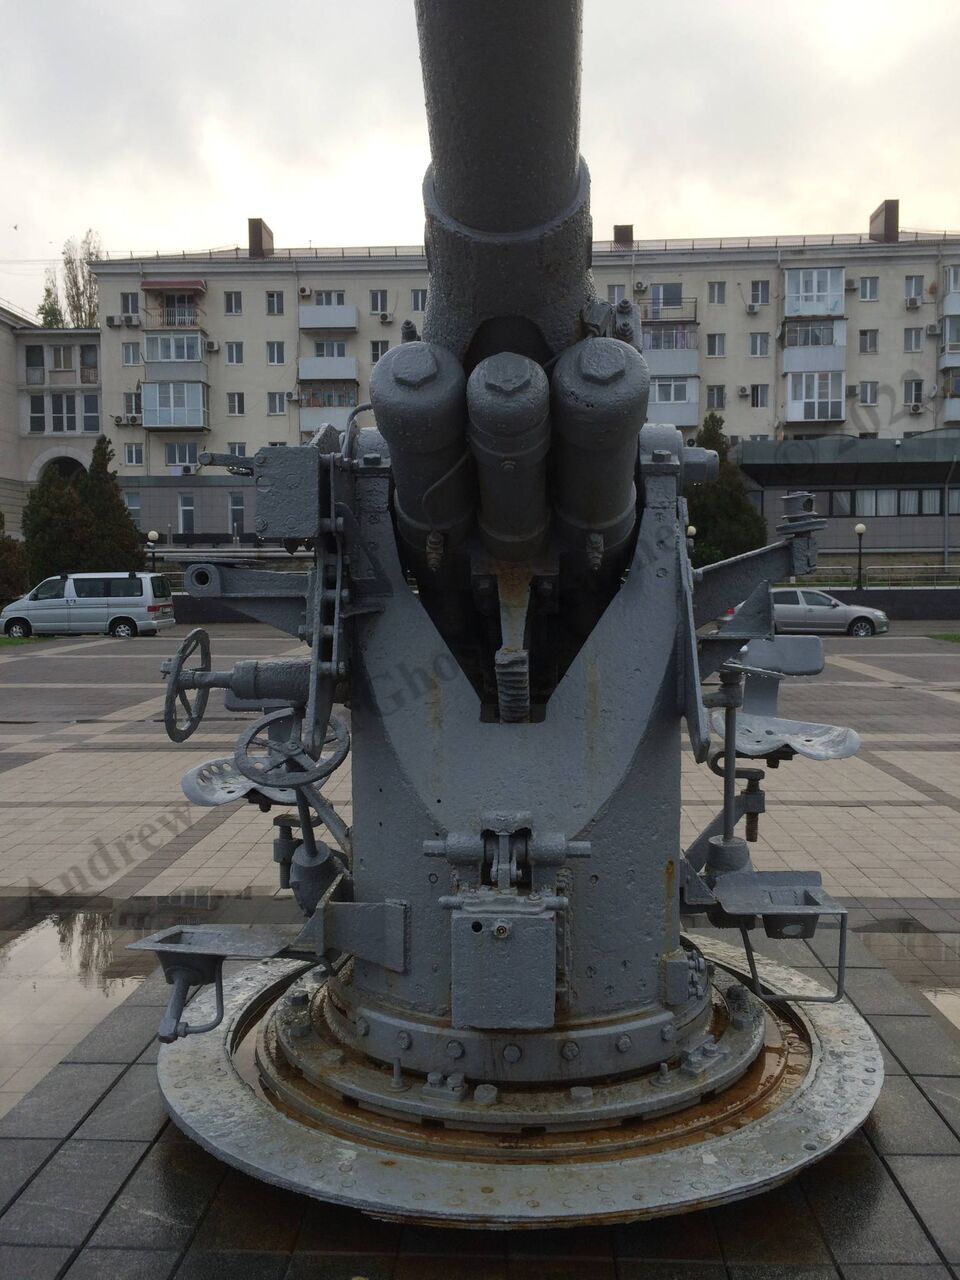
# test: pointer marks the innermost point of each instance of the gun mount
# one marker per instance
(491, 1016)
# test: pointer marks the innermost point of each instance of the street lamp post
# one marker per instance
(859, 530)
(152, 539)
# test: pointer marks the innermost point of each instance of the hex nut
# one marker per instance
(414, 365)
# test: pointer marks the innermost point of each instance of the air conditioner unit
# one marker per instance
(386, 317)
(913, 304)
(187, 470)
(852, 389)
(743, 390)
(305, 291)
(114, 322)
(212, 344)
(753, 308)
(916, 408)
(133, 419)
(640, 286)
(933, 331)
(850, 284)
(291, 395)
(176, 470)
(132, 322)
(118, 420)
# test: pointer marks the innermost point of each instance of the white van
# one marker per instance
(116, 604)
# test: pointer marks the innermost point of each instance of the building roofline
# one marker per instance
(66, 331)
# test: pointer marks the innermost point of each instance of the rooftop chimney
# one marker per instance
(259, 238)
(623, 235)
(885, 222)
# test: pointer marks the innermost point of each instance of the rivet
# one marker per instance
(455, 1049)
(512, 1053)
(668, 1032)
(623, 1043)
(404, 1039)
(569, 1051)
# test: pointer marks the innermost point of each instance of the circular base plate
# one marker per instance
(203, 1082)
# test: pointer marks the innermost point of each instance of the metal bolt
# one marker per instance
(414, 365)
(363, 1026)
(404, 1039)
(602, 361)
(299, 998)
(668, 1032)
(569, 1051)
(512, 1053)
(485, 1095)
(455, 1049)
(581, 1093)
(623, 1043)
(501, 930)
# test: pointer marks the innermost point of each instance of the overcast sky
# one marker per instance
(164, 126)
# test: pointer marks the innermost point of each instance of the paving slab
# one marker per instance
(60, 1101)
(933, 1185)
(123, 1264)
(904, 1123)
(23, 1263)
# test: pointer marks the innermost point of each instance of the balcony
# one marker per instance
(327, 369)
(89, 375)
(950, 304)
(175, 371)
(654, 312)
(313, 416)
(826, 359)
(335, 319)
(179, 317)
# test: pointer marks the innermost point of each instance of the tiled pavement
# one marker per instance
(95, 839)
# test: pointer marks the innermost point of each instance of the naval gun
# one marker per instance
(491, 1014)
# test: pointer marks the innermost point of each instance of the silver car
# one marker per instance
(116, 604)
(802, 609)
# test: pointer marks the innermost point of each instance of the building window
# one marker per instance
(378, 301)
(132, 500)
(669, 337)
(817, 397)
(716, 396)
(277, 444)
(235, 407)
(760, 293)
(716, 344)
(913, 286)
(132, 403)
(717, 292)
(953, 502)
(820, 288)
(841, 503)
(759, 344)
(165, 347)
(174, 404)
(379, 347)
(131, 353)
(238, 448)
(62, 358)
(38, 415)
(275, 403)
(869, 288)
(418, 299)
(234, 352)
(913, 339)
(759, 395)
(235, 513)
(133, 455)
(868, 393)
(275, 353)
(91, 412)
(328, 297)
(615, 292)
(808, 333)
(329, 395)
(34, 362)
(929, 502)
(130, 304)
(233, 302)
(913, 391)
(180, 453)
(63, 409)
(668, 391)
(951, 333)
(186, 512)
(274, 302)
(869, 342)
(328, 349)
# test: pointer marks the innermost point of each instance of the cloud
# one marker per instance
(165, 127)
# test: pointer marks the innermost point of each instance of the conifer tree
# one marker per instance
(727, 523)
(13, 567)
(113, 540)
(55, 527)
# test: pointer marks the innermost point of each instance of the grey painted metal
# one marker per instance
(211, 1100)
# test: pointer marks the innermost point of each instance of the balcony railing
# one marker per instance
(90, 375)
(183, 317)
(652, 311)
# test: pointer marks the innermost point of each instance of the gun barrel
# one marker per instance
(502, 85)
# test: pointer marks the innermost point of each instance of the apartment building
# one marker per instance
(49, 405)
(790, 338)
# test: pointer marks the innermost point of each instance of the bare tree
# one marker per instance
(50, 310)
(79, 285)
